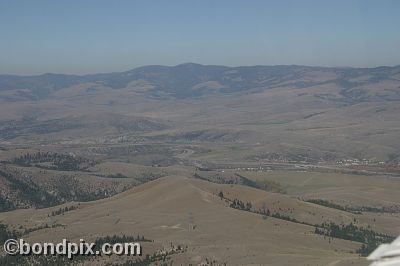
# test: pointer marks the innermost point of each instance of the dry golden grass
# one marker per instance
(165, 210)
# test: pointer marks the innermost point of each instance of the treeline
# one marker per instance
(42, 260)
(384, 209)
(40, 227)
(332, 205)
(266, 185)
(238, 204)
(117, 175)
(368, 237)
(120, 239)
(23, 192)
(354, 210)
(56, 161)
(6, 234)
(238, 179)
(264, 211)
(285, 217)
(6, 205)
(162, 258)
(27, 191)
(49, 260)
(61, 211)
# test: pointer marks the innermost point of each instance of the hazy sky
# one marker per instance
(100, 36)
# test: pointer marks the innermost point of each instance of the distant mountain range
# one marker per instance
(317, 113)
(194, 80)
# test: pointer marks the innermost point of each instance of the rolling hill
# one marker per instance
(214, 165)
(321, 114)
(188, 212)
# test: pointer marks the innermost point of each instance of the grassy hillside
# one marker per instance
(187, 212)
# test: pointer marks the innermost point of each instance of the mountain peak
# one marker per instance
(188, 64)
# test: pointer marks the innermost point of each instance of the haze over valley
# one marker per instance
(199, 133)
(212, 165)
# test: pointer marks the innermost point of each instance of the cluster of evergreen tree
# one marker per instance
(6, 205)
(40, 227)
(62, 162)
(330, 204)
(196, 175)
(247, 182)
(120, 239)
(42, 260)
(163, 259)
(368, 237)
(352, 232)
(355, 210)
(277, 215)
(265, 211)
(238, 204)
(28, 192)
(368, 248)
(242, 180)
(267, 185)
(61, 211)
(50, 260)
(6, 234)
(386, 209)
(117, 175)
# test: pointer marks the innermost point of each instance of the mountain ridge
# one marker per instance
(189, 80)
(195, 64)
